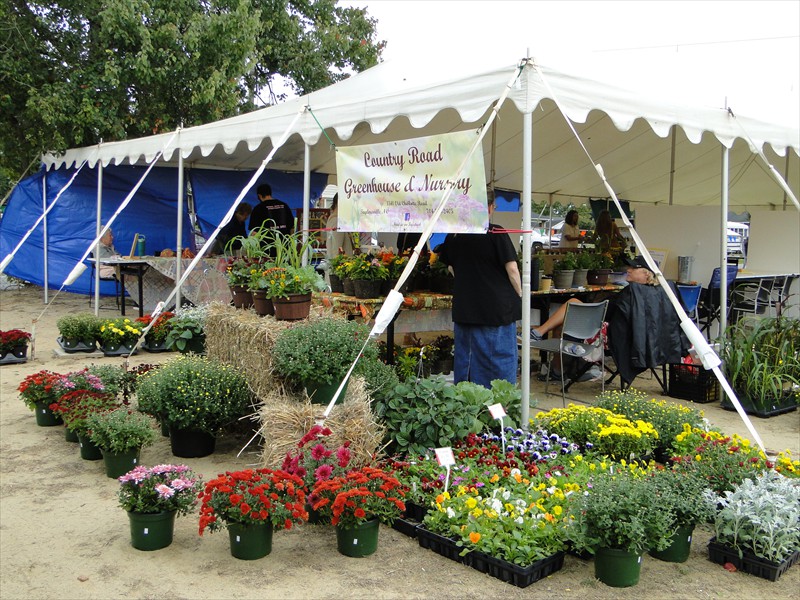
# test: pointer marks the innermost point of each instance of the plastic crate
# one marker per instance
(514, 574)
(443, 546)
(692, 382)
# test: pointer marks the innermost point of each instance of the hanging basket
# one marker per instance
(293, 308)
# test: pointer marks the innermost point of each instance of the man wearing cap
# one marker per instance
(643, 327)
(638, 272)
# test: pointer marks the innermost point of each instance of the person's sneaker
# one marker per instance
(593, 374)
(535, 335)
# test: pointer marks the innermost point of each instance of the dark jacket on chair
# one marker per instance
(644, 331)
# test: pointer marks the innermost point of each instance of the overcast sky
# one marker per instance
(741, 54)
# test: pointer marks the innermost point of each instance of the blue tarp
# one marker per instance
(152, 212)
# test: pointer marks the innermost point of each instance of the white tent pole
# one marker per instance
(525, 359)
(45, 253)
(210, 241)
(723, 247)
(97, 225)
(786, 177)
(179, 253)
(306, 199)
(672, 164)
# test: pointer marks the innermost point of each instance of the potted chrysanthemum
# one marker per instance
(14, 346)
(118, 336)
(252, 504)
(120, 434)
(356, 504)
(152, 497)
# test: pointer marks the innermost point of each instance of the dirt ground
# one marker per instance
(63, 536)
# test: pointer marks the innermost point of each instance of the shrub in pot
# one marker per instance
(196, 395)
(75, 408)
(156, 338)
(619, 519)
(120, 434)
(78, 332)
(317, 354)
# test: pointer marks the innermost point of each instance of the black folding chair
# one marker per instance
(709, 308)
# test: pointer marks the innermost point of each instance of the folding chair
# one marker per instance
(780, 293)
(752, 297)
(112, 278)
(582, 321)
(690, 296)
(708, 309)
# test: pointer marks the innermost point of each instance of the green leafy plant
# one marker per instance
(761, 516)
(368, 267)
(83, 327)
(194, 392)
(320, 351)
(684, 494)
(160, 330)
(77, 406)
(428, 413)
(162, 488)
(121, 430)
(567, 262)
(761, 358)
(621, 511)
(585, 260)
(280, 282)
(187, 329)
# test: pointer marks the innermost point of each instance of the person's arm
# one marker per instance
(513, 276)
(575, 236)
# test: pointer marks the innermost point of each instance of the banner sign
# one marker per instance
(397, 186)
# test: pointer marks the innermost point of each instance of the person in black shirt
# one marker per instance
(487, 303)
(234, 228)
(271, 212)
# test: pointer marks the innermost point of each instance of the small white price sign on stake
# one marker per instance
(498, 412)
(445, 458)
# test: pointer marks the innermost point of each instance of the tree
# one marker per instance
(75, 72)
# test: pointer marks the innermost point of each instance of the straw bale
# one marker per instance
(286, 421)
(242, 338)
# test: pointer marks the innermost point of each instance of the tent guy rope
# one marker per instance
(706, 353)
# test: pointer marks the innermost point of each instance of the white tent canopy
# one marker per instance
(631, 135)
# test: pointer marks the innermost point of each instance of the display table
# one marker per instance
(151, 280)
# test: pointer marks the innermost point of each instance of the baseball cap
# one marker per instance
(637, 263)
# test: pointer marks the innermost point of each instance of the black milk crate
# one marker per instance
(693, 382)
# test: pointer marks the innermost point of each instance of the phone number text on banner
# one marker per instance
(396, 186)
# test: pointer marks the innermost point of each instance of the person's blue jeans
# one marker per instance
(484, 353)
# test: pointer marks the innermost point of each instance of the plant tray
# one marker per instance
(11, 358)
(777, 407)
(749, 563)
(692, 382)
(514, 574)
(415, 511)
(77, 347)
(406, 527)
(443, 546)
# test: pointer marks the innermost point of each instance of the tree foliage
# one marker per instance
(74, 72)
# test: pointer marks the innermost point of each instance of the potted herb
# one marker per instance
(120, 434)
(195, 396)
(318, 354)
(252, 504)
(564, 270)
(38, 392)
(152, 497)
(600, 271)
(156, 339)
(618, 520)
(186, 330)
(761, 359)
(584, 260)
(78, 332)
(14, 346)
(117, 337)
(757, 528)
(684, 494)
(356, 504)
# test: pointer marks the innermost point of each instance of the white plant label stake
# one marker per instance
(498, 412)
(445, 458)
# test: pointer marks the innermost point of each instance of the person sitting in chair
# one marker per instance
(106, 250)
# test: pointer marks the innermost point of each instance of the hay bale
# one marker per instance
(286, 421)
(242, 338)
